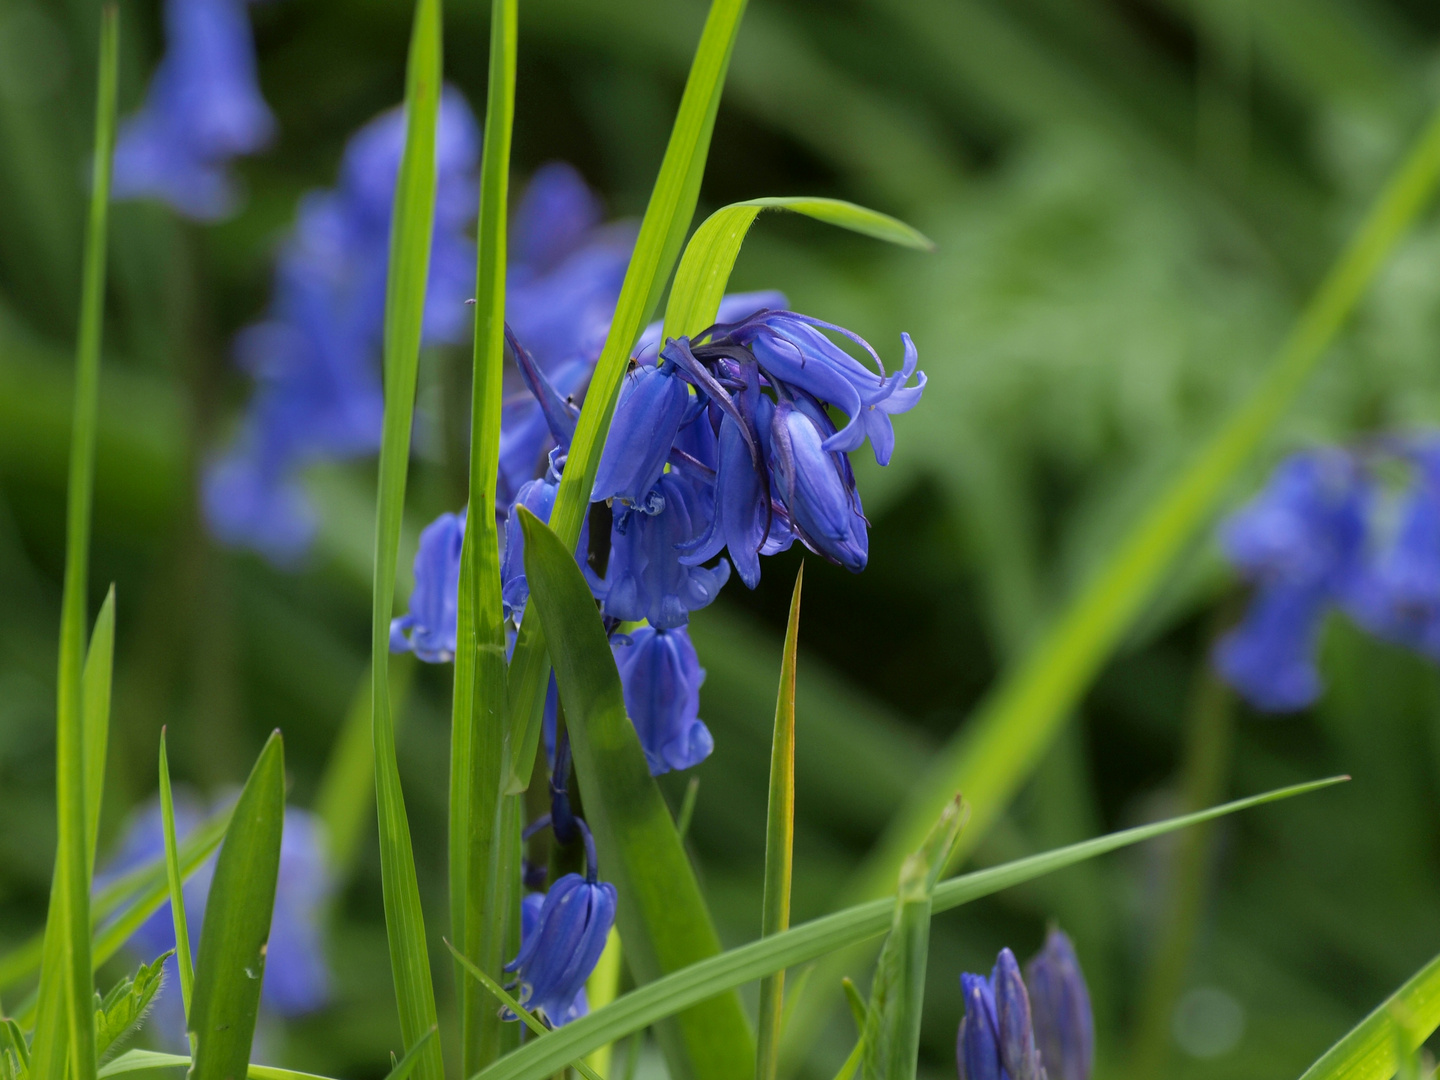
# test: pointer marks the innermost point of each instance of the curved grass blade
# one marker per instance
(679, 990)
(1375, 1048)
(710, 256)
(662, 231)
(233, 940)
(662, 915)
(146, 1060)
(779, 842)
(175, 881)
(603, 987)
(411, 227)
(484, 883)
(95, 706)
(67, 985)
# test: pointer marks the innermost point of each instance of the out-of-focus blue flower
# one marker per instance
(661, 677)
(816, 485)
(646, 580)
(977, 1046)
(315, 356)
(428, 629)
(297, 979)
(564, 942)
(202, 109)
(1396, 596)
(1270, 657)
(1060, 1007)
(1013, 1022)
(652, 403)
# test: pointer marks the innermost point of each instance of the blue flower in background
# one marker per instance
(661, 677)
(1060, 1006)
(428, 628)
(203, 108)
(315, 357)
(1015, 1033)
(297, 978)
(564, 941)
(1270, 657)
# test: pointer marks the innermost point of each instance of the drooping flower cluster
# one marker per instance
(1045, 1032)
(315, 357)
(297, 978)
(202, 109)
(1327, 533)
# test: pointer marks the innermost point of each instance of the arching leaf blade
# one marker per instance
(1371, 1051)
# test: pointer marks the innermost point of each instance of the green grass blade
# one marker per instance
(602, 988)
(483, 891)
(410, 237)
(95, 705)
(662, 916)
(709, 258)
(231, 967)
(146, 1060)
(679, 990)
(662, 231)
(1373, 1049)
(526, 1016)
(175, 881)
(67, 983)
(779, 843)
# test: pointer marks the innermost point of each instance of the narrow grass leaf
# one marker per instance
(662, 231)
(233, 940)
(484, 890)
(603, 987)
(146, 1060)
(175, 880)
(662, 915)
(411, 227)
(779, 842)
(67, 984)
(710, 255)
(1376, 1047)
(681, 989)
(95, 706)
(687, 807)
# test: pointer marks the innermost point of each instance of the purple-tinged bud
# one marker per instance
(661, 676)
(977, 1046)
(1012, 1016)
(817, 486)
(652, 404)
(1060, 1006)
(430, 623)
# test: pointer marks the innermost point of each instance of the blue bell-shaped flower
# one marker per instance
(1270, 657)
(977, 1046)
(537, 496)
(428, 629)
(652, 403)
(1060, 1007)
(1013, 1021)
(661, 677)
(817, 486)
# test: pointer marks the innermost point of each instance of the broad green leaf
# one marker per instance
(662, 231)
(991, 755)
(175, 881)
(410, 235)
(662, 915)
(484, 882)
(891, 1034)
(66, 982)
(711, 253)
(681, 989)
(1374, 1049)
(779, 842)
(145, 1060)
(233, 941)
(95, 705)
(122, 1010)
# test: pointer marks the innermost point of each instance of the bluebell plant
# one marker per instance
(203, 109)
(1327, 534)
(297, 976)
(1045, 1031)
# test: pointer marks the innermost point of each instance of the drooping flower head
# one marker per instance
(203, 108)
(428, 629)
(661, 677)
(564, 944)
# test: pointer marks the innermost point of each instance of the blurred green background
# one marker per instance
(1131, 199)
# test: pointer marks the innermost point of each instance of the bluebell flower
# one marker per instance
(1301, 541)
(297, 978)
(1013, 1021)
(1396, 595)
(661, 677)
(646, 580)
(428, 629)
(817, 486)
(564, 943)
(1060, 1007)
(202, 109)
(530, 908)
(537, 496)
(977, 1046)
(652, 403)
